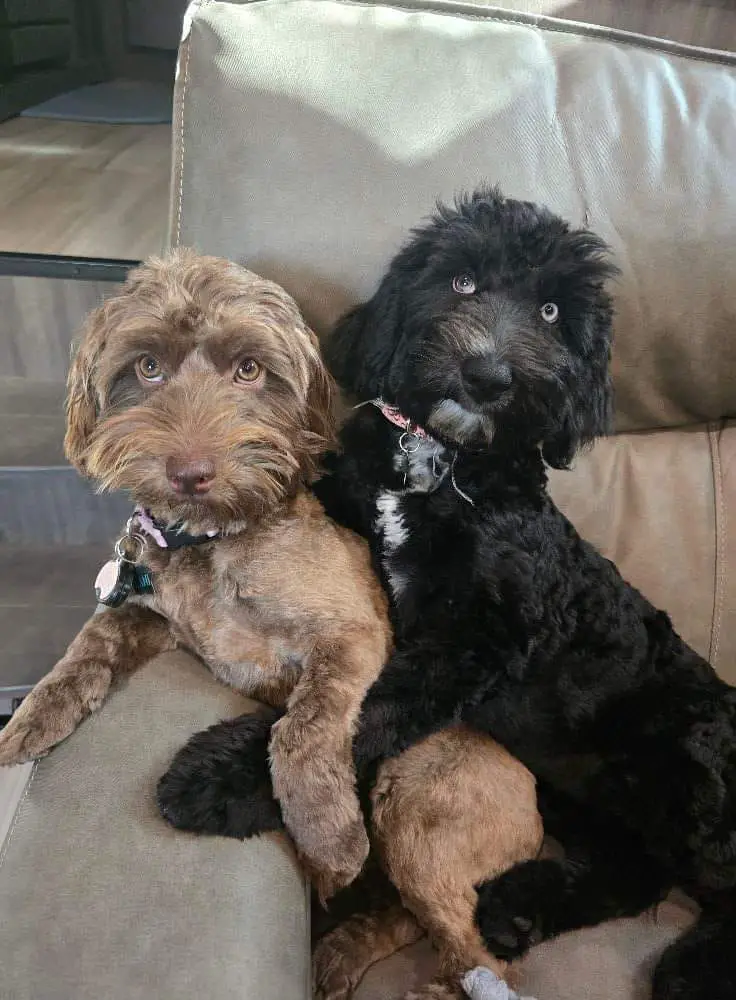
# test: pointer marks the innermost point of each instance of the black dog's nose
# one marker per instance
(190, 474)
(484, 378)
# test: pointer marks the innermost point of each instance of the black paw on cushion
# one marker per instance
(219, 782)
(510, 908)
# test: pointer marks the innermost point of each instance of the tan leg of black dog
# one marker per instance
(450, 812)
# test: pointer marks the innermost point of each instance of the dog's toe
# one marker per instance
(509, 913)
(335, 973)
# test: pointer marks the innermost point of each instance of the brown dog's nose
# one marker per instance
(190, 474)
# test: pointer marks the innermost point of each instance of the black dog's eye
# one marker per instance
(463, 284)
(149, 369)
(550, 312)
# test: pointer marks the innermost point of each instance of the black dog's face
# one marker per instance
(493, 323)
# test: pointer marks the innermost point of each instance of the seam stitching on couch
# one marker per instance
(18, 811)
(720, 519)
(575, 29)
(187, 51)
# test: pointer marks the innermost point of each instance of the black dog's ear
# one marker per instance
(362, 345)
(371, 338)
(586, 416)
(587, 411)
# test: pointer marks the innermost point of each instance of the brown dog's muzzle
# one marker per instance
(190, 475)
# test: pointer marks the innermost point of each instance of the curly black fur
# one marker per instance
(491, 330)
(506, 619)
(212, 787)
(606, 873)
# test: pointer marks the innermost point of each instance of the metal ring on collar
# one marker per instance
(132, 537)
(410, 436)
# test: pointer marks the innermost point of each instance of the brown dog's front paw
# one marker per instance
(13, 744)
(340, 860)
(50, 713)
(315, 786)
(27, 737)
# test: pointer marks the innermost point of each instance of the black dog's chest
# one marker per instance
(421, 469)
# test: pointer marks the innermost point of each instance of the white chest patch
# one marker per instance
(393, 531)
(424, 464)
(390, 521)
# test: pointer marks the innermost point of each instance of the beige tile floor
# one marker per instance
(83, 189)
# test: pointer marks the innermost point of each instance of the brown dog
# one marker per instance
(200, 390)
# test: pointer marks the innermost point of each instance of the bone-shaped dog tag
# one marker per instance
(114, 582)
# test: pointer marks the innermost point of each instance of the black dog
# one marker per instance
(490, 339)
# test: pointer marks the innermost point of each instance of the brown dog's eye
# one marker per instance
(248, 371)
(463, 284)
(149, 369)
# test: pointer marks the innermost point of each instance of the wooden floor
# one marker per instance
(83, 189)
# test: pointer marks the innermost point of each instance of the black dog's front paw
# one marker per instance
(512, 909)
(220, 783)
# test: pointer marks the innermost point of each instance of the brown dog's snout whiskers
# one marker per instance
(190, 474)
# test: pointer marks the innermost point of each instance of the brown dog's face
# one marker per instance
(200, 390)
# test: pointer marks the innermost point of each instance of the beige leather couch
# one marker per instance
(309, 134)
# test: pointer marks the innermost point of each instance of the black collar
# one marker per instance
(178, 539)
(168, 536)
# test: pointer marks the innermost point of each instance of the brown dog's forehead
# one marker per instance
(217, 316)
(189, 291)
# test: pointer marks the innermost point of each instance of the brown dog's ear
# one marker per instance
(321, 428)
(81, 400)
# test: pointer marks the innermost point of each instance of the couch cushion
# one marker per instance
(310, 134)
(661, 506)
(99, 898)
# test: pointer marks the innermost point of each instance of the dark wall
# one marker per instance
(46, 46)
(125, 33)
(155, 26)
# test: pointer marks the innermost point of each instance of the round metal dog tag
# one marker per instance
(113, 583)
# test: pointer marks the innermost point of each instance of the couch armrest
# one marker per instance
(100, 898)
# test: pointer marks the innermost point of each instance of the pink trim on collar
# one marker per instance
(394, 415)
(146, 524)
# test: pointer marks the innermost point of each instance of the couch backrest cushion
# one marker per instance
(313, 133)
